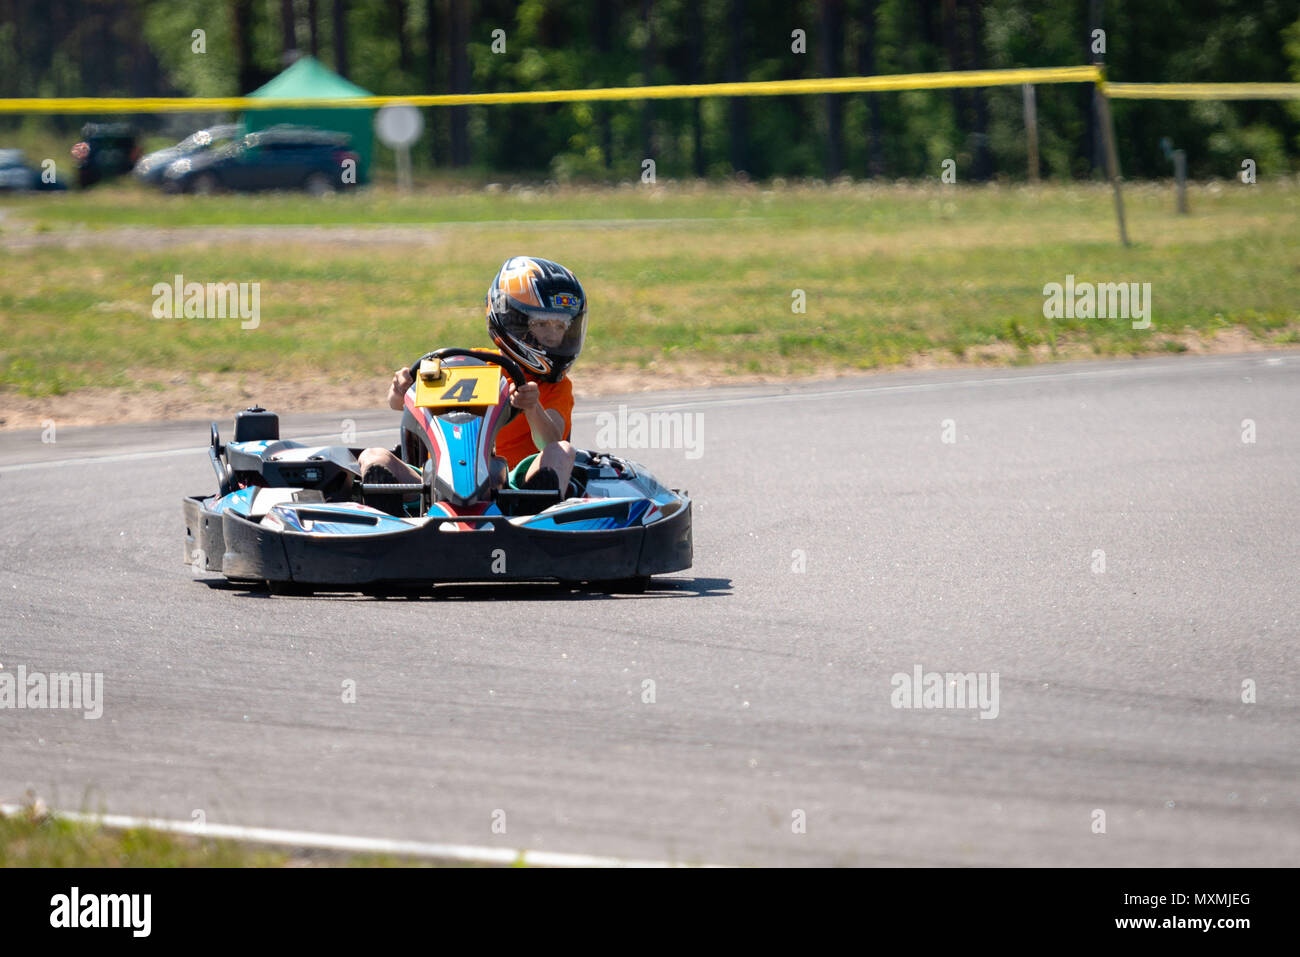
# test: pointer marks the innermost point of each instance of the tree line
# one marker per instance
(152, 47)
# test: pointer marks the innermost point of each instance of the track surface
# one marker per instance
(1119, 690)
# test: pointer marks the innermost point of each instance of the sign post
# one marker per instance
(398, 126)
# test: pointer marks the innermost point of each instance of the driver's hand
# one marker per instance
(402, 380)
(527, 396)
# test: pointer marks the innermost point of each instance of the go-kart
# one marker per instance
(289, 514)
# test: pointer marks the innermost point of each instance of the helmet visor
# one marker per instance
(556, 334)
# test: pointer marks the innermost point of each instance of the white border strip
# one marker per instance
(468, 853)
(155, 454)
(939, 386)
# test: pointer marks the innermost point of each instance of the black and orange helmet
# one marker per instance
(537, 315)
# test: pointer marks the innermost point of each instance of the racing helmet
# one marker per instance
(537, 315)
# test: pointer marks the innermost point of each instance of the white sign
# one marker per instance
(398, 125)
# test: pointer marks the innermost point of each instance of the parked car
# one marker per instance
(152, 166)
(105, 150)
(279, 157)
(16, 175)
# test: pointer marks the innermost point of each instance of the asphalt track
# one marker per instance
(1120, 690)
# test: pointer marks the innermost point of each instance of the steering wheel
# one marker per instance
(508, 365)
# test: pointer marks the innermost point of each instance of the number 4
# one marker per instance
(462, 391)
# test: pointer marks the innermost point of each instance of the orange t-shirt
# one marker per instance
(515, 440)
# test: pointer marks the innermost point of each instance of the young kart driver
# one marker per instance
(537, 316)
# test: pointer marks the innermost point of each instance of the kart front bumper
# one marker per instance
(496, 550)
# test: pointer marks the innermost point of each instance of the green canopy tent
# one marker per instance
(308, 79)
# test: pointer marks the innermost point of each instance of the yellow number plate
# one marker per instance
(464, 386)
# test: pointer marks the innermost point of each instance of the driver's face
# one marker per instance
(548, 332)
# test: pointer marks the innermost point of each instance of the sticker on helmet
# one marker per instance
(565, 300)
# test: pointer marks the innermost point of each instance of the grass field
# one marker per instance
(29, 840)
(681, 277)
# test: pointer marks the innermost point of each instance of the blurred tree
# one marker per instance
(247, 76)
(313, 28)
(459, 81)
(831, 49)
(339, 19)
(605, 15)
(875, 163)
(647, 39)
(397, 14)
(288, 32)
(694, 75)
(738, 127)
(432, 81)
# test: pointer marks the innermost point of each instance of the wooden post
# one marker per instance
(1112, 158)
(1180, 178)
(1031, 130)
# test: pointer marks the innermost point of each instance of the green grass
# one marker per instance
(890, 273)
(27, 840)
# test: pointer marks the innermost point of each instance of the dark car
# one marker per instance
(16, 175)
(105, 150)
(151, 168)
(280, 157)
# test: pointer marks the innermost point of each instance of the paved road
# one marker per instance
(1119, 690)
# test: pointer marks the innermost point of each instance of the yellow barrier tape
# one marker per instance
(1202, 91)
(845, 84)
